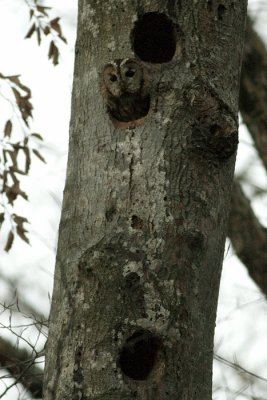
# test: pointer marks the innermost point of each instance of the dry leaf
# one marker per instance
(37, 135)
(38, 31)
(9, 242)
(46, 30)
(36, 152)
(42, 9)
(8, 128)
(55, 25)
(2, 218)
(53, 53)
(21, 231)
(30, 32)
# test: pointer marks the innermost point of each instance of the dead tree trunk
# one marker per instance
(152, 149)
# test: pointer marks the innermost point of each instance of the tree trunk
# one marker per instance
(146, 202)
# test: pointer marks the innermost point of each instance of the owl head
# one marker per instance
(123, 76)
(132, 74)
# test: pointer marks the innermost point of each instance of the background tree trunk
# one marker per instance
(146, 203)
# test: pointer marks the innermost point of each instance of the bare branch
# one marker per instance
(253, 91)
(22, 366)
(248, 237)
(238, 367)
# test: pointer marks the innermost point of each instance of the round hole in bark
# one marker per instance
(136, 222)
(209, 5)
(139, 355)
(221, 11)
(214, 128)
(154, 38)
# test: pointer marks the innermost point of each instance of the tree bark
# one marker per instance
(146, 203)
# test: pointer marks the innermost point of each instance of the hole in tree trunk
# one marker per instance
(136, 222)
(140, 355)
(221, 11)
(125, 88)
(154, 38)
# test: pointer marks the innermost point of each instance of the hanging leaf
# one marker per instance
(31, 31)
(8, 128)
(22, 234)
(9, 242)
(63, 39)
(31, 13)
(13, 156)
(42, 9)
(37, 135)
(27, 159)
(17, 96)
(36, 152)
(53, 53)
(19, 219)
(15, 163)
(43, 25)
(38, 31)
(2, 218)
(15, 79)
(12, 192)
(46, 30)
(55, 25)
(24, 105)
(21, 231)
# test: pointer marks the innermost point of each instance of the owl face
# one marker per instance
(132, 75)
(124, 86)
(123, 76)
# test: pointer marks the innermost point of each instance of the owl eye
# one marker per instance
(129, 73)
(113, 78)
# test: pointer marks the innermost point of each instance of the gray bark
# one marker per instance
(145, 208)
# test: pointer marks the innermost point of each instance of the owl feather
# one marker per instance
(124, 85)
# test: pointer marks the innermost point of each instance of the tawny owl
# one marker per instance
(124, 86)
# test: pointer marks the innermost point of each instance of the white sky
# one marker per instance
(242, 313)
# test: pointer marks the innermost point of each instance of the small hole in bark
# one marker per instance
(154, 38)
(132, 280)
(136, 222)
(79, 354)
(110, 213)
(139, 355)
(209, 5)
(221, 11)
(214, 128)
